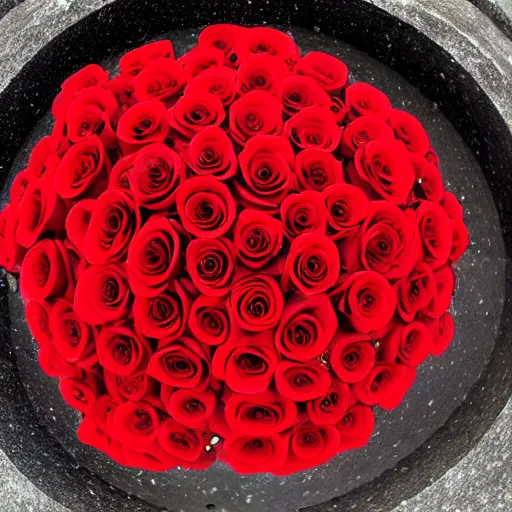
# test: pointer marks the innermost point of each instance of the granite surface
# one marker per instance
(479, 481)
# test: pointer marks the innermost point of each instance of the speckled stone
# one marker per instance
(478, 50)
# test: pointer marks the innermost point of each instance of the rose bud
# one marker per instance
(304, 213)
(81, 394)
(330, 72)
(383, 381)
(429, 183)
(134, 61)
(11, 252)
(300, 92)
(312, 265)
(37, 313)
(415, 291)
(445, 286)
(209, 321)
(102, 294)
(136, 424)
(410, 131)
(330, 408)
(301, 382)
(222, 36)
(219, 81)
(161, 79)
(356, 427)
(365, 100)
(191, 408)
(255, 113)
(205, 206)
(306, 328)
(362, 130)
(316, 169)
(367, 300)
(261, 73)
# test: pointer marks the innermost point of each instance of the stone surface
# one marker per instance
(483, 52)
(442, 383)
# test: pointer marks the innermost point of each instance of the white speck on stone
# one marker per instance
(248, 499)
(316, 29)
(153, 481)
(431, 403)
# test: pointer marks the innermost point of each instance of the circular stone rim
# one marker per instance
(426, 463)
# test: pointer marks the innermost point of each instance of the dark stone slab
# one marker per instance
(477, 120)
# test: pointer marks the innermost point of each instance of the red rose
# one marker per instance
(436, 233)
(88, 76)
(124, 91)
(387, 243)
(352, 356)
(347, 207)
(180, 442)
(261, 73)
(300, 92)
(255, 454)
(83, 170)
(219, 81)
(195, 112)
(211, 153)
(362, 130)
(356, 427)
(37, 314)
(329, 409)
(415, 291)
(92, 112)
(409, 343)
(81, 394)
(259, 414)
(191, 408)
(122, 352)
(161, 79)
(43, 272)
(314, 127)
(396, 398)
(77, 223)
(257, 302)
(316, 169)
(162, 316)
(133, 62)
(445, 285)
(154, 257)
(41, 211)
(310, 446)
(301, 382)
(19, 186)
(72, 338)
(205, 206)
(155, 174)
(209, 321)
(460, 240)
(383, 170)
(269, 41)
(118, 179)
(443, 330)
(383, 381)
(53, 365)
(182, 364)
(102, 294)
(304, 213)
(246, 362)
(132, 388)
(11, 252)
(142, 124)
(136, 424)
(306, 328)
(43, 159)
(367, 300)
(258, 238)
(211, 264)
(452, 207)
(255, 113)
(410, 131)
(222, 36)
(328, 71)
(312, 265)
(266, 165)
(364, 100)
(199, 59)
(114, 221)
(429, 183)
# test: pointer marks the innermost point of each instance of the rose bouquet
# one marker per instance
(233, 254)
